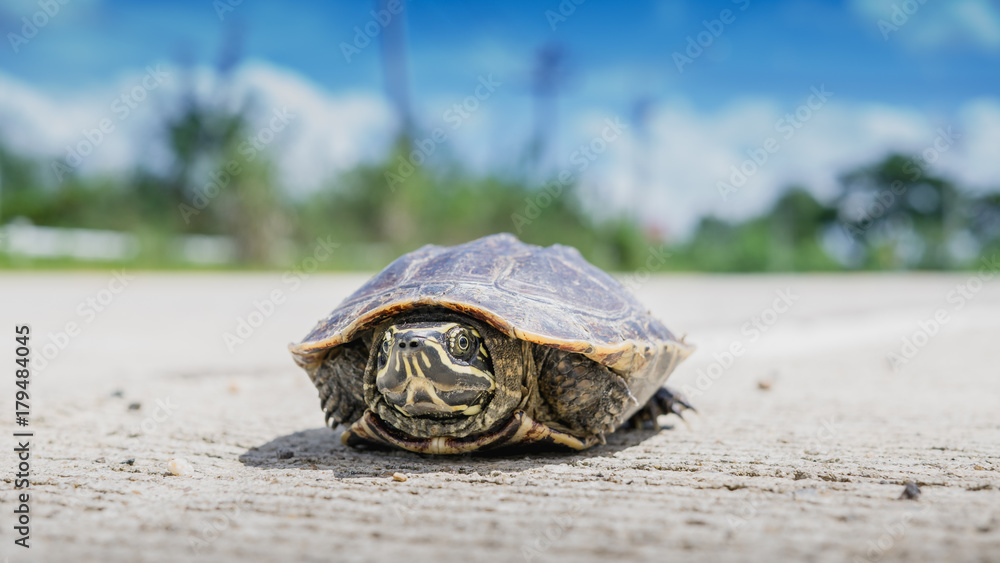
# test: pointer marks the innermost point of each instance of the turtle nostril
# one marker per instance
(402, 344)
(413, 344)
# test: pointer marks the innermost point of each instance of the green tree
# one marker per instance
(901, 214)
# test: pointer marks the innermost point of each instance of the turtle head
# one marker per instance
(434, 369)
(443, 383)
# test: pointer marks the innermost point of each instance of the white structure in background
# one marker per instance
(21, 238)
(205, 249)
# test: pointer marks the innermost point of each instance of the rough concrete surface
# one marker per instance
(800, 450)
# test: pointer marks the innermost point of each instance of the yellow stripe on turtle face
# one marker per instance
(416, 392)
(409, 371)
(427, 387)
(444, 358)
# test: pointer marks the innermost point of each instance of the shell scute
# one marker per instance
(545, 295)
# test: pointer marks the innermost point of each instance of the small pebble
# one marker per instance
(134, 406)
(398, 477)
(180, 467)
(129, 461)
(910, 491)
(285, 454)
(118, 394)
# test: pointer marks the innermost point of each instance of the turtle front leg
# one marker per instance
(582, 395)
(339, 380)
(664, 401)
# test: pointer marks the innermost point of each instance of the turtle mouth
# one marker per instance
(370, 429)
(425, 398)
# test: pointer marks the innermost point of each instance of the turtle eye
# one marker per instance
(462, 344)
(385, 344)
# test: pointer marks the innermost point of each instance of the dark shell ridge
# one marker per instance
(546, 295)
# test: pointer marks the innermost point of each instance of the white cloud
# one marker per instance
(330, 132)
(977, 160)
(690, 152)
(934, 23)
(666, 173)
(40, 125)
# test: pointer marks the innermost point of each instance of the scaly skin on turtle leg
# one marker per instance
(584, 395)
(339, 380)
(664, 401)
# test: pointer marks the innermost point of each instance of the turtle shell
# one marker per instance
(546, 295)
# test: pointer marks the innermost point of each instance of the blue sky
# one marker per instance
(771, 49)
(893, 89)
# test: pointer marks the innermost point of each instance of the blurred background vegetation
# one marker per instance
(900, 220)
(217, 209)
(904, 222)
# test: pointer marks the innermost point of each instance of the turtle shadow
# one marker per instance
(320, 449)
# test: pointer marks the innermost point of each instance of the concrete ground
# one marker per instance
(799, 452)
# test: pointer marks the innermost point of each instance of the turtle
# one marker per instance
(493, 344)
